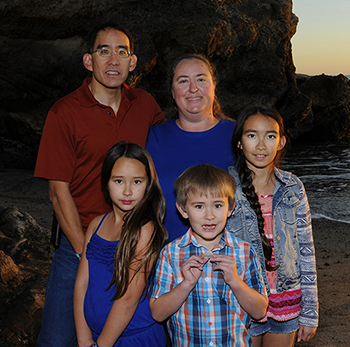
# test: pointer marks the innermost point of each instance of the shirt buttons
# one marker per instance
(207, 279)
(278, 238)
(208, 301)
(211, 343)
(109, 112)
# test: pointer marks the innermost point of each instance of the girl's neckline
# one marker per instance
(107, 241)
(265, 196)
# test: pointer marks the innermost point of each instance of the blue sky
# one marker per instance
(322, 42)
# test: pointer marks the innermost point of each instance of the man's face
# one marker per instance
(109, 72)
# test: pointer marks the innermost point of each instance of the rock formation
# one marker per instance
(25, 255)
(330, 97)
(42, 44)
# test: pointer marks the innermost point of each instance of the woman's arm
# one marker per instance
(81, 283)
(124, 308)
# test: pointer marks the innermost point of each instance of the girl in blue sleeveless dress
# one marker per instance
(111, 296)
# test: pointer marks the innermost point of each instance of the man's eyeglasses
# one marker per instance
(107, 52)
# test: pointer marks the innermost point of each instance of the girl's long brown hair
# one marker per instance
(150, 209)
(246, 175)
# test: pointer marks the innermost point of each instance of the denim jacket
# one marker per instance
(293, 240)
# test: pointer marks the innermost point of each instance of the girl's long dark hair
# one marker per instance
(150, 209)
(246, 175)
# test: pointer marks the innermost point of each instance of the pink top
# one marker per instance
(286, 305)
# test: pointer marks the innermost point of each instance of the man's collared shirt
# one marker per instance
(211, 315)
(78, 133)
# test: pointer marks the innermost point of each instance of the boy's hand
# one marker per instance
(228, 267)
(251, 301)
(192, 269)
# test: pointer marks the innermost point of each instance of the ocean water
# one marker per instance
(325, 171)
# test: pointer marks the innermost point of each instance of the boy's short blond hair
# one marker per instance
(206, 179)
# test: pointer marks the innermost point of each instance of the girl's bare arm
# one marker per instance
(124, 308)
(81, 283)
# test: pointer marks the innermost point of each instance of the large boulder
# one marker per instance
(330, 96)
(42, 44)
(25, 257)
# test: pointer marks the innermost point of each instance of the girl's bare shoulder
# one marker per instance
(146, 232)
(93, 226)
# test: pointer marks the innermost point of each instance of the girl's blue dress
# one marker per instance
(142, 329)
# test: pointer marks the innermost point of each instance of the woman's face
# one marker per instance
(193, 90)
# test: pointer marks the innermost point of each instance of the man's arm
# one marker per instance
(67, 214)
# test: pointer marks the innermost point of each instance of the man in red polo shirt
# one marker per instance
(79, 130)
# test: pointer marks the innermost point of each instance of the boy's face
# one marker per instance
(207, 216)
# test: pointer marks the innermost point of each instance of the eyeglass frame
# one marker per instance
(98, 50)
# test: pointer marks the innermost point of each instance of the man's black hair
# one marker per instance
(108, 25)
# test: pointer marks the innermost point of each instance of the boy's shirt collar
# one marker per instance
(189, 238)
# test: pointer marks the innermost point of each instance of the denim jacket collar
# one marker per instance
(283, 177)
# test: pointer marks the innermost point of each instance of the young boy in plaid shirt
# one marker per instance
(207, 282)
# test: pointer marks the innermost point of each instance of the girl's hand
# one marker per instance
(306, 333)
(228, 267)
(192, 269)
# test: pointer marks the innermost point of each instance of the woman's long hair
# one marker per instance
(246, 175)
(217, 111)
(150, 209)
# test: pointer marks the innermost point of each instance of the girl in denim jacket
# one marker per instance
(272, 213)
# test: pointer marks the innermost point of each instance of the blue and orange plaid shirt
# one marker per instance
(211, 315)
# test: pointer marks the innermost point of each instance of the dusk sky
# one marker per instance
(322, 41)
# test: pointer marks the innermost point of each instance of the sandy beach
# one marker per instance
(19, 189)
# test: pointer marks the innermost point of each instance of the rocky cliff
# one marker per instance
(249, 41)
(42, 43)
(25, 256)
(330, 112)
